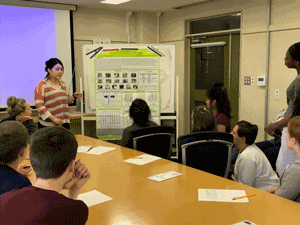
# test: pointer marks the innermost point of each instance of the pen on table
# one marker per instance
(26, 167)
(243, 196)
(89, 149)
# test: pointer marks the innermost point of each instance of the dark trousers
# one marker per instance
(65, 125)
(271, 150)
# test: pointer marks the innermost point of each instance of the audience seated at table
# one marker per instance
(13, 150)
(19, 110)
(139, 112)
(52, 154)
(218, 102)
(289, 186)
(203, 119)
(271, 147)
(252, 166)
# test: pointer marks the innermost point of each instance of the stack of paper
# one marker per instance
(94, 151)
(164, 176)
(216, 195)
(93, 198)
(142, 159)
(100, 150)
(83, 149)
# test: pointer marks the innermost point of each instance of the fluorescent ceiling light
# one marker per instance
(211, 44)
(114, 2)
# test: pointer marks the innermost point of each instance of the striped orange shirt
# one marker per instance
(51, 101)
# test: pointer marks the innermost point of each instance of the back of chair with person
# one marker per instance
(156, 141)
(210, 151)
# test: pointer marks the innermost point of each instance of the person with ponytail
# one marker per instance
(203, 119)
(139, 112)
(252, 167)
(218, 102)
(286, 156)
(19, 109)
(51, 97)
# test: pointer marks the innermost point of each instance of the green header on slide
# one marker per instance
(127, 53)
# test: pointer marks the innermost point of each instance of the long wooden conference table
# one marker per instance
(174, 201)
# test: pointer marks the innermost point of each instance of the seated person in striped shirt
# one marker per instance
(51, 97)
(13, 150)
(20, 110)
(289, 186)
(52, 154)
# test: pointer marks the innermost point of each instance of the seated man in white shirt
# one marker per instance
(252, 166)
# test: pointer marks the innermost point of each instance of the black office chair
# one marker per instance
(156, 141)
(271, 150)
(210, 151)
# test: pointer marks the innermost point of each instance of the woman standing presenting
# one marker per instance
(286, 156)
(51, 97)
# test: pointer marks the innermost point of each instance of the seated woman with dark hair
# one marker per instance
(20, 110)
(218, 102)
(203, 120)
(140, 113)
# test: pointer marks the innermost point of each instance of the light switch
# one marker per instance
(247, 80)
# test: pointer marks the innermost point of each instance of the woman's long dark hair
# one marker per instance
(219, 93)
(51, 63)
(139, 111)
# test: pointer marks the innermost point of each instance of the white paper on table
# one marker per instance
(100, 150)
(142, 159)
(93, 198)
(216, 195)
(245, 222)
(83, 149)
(124, 222)
(164, 176)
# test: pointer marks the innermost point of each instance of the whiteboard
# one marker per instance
(166, 69)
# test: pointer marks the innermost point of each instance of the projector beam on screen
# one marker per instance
(31, 37)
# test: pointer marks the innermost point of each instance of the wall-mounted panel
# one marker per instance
(253, 64)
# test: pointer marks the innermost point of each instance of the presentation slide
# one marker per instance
(28, 38)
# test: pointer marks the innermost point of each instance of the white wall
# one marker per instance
(284, 31)
(89, 24)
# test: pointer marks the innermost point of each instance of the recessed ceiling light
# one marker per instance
(114, 2)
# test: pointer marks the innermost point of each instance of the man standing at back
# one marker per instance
(52, 154)
(252, 166)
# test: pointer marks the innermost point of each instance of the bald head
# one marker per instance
(13, 138)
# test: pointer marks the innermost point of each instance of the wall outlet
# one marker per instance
(252, 80)
(276, 93)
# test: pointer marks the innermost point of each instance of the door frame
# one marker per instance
(187, 42)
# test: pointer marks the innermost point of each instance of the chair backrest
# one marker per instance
(210, 151)
(156, 141)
